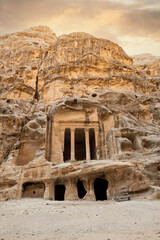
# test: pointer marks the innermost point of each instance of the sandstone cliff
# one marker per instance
(148, 63)
(49, 84)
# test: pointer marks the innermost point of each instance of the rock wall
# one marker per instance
(83, 94)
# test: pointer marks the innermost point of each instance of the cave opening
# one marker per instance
(80, 189)
(100, 189)
(80, 146)
(60, 192)
(33, 190)
(67, 144)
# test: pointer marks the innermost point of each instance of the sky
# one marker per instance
(133, 24)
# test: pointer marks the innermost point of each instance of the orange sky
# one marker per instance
(133, 24)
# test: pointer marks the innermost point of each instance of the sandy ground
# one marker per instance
(40, 219)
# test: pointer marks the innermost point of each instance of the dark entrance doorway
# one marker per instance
(59, 192)
(33, 190)
(100, 189)
(92, 144)
(80, 146)
(81, 190)
(67, 145)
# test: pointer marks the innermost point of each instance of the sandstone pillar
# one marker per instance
(62, 138)
(71, 191)
(96, 144)
(88, 157)
(72, 144)
(90, 190)
(47, 191)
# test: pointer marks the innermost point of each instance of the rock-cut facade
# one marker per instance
(79, 120)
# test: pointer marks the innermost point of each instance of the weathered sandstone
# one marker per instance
(79, 119)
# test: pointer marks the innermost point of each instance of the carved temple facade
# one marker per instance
(80, 141)
(74, 135)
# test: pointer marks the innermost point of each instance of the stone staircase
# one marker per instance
(122, 195)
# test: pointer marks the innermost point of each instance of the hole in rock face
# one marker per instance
(60, 192)
(94, 95)
(92, 144)
(75, 101)
(67, 145)
(100, 189)
(33, 190)
(158, 168)
(80, 146)
(81, 190)
(10, 101)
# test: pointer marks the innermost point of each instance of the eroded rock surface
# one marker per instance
(76, 112)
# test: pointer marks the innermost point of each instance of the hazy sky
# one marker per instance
(133, 24)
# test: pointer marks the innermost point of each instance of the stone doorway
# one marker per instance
(33, 190)
(80, 189)
(80, 146)
(100, 189)
(60, 192)
(92, 144)
(67, 145)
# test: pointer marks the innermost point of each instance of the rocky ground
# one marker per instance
(41, 219)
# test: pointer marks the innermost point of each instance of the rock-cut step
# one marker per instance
(122, 195)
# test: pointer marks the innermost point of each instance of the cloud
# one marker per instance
(142, 22)
(124, 22)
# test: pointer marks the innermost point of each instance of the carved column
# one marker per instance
(47, 191)
(88, 157)
(62, 138)
(90, 189)
(72, 144)
(96, 143)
